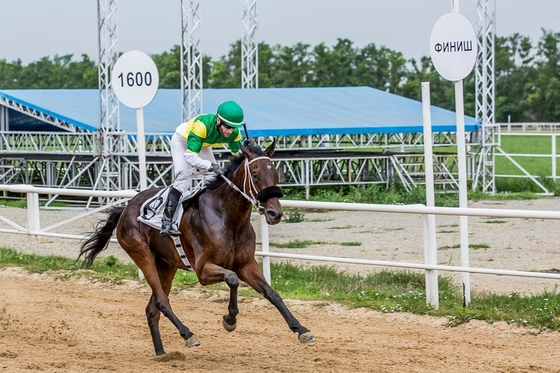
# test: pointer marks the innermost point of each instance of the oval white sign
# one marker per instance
(453, 46)
(135, 79)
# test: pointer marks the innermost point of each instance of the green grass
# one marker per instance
(474, 246)
(297, 244)
(300, 244)
(293, 216)
(384, 291)
(22, 203)
(351, 243)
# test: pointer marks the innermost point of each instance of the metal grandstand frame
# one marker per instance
(107, 160)
(303, 161)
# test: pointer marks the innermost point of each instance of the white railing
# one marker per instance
(34, 227)
(530, 126)
(553, 156)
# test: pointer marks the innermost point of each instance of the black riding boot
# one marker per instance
(167, 219)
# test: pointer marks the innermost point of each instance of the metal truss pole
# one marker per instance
(110, 145)
(4, 121)
(249, 46)
(191, 60)
(484, 175)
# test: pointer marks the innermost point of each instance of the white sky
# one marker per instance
(31, 29)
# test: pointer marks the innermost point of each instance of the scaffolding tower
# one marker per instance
(191, 59)
(484, 174)
(109, 172)
(249, 46)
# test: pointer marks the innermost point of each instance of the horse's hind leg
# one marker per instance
(253, 276)
(159, 276)
(153, 315)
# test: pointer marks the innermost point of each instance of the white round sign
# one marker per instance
(135, 79)
(453, 46)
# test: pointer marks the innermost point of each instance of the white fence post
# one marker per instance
(553, 151)
(33, 219)
(265, 243)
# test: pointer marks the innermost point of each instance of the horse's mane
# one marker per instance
(234, 163)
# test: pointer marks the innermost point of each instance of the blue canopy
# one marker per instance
(268, 111)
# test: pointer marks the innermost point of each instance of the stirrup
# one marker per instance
(169, 231)
(174, 232)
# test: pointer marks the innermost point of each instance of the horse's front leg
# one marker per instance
(212, 274)
(254, 277)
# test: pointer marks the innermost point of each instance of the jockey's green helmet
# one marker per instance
(231, 113)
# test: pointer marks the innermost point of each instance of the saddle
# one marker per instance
(152, 211)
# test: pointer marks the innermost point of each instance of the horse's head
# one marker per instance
(260, 181)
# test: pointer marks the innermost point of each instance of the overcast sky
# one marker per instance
(31, 29)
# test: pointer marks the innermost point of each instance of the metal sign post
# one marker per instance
(135, 80)
(430, 250)
(453, 49)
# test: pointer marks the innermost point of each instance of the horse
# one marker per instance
(217, 237)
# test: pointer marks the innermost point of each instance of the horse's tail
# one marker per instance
(98, 240)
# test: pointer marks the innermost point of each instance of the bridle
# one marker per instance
(255, 196)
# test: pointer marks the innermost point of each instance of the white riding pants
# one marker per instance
(184, 172)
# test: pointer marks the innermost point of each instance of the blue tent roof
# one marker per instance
(268, 111)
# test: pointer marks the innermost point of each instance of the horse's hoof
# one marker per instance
(306, 337)
(228, 327)
(193, 341)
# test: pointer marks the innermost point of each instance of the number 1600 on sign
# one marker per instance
(135, 79)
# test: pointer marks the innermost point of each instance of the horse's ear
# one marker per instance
(270, 150)
(246, 151)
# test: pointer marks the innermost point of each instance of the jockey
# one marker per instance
(191, 149)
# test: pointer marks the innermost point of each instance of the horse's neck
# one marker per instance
(228, 198)
(240, 179)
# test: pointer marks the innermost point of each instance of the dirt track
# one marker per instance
(51, 325)
(57, 326)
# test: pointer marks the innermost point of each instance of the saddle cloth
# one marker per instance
(151, 213)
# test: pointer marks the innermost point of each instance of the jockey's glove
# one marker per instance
(249, 142)
(217, 169)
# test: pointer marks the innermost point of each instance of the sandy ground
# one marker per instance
(48, 325)
(53, 325)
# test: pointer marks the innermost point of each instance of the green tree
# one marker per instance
(543, 98)
(291, 66)
(169, 67)
(10, 74)
(512, 70)
(380, 68)
(442, 92)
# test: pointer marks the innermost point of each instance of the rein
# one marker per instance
(263, 195)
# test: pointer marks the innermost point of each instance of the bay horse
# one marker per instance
(217, 237)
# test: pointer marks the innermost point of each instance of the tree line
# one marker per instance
(527, 83)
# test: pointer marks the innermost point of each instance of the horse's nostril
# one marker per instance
(273, 215)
